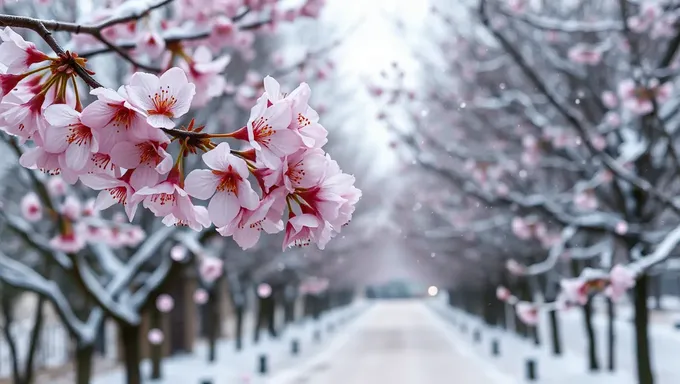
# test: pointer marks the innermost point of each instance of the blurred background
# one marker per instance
(518, 220)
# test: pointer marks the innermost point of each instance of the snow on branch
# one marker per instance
(661, 253)
(555, 252)
(26, 231)
(153, 282)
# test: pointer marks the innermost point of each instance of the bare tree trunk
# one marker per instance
(7, 312)
(84, 355)
(130, 335)
(239, 327)
(644, 364)
(156, 350)
(36, 331)
(213, 325)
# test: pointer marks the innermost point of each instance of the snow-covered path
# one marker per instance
(399, 342)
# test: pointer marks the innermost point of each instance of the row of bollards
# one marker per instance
(530, 369)
(263, 367)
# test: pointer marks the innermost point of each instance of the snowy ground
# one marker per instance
(241, 367)
(397, 342)
(571, 367)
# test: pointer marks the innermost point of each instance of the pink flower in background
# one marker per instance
(178, 253)
(620, 280)
(31, 207)
(225, 184)
(518, 6)
(520, 228)
(264, 290)
(638, 99)
(89, 209)
(612, 119)
(200, 296)
(598, 142)
(68, 242)
(609, 99)
(650, 11)
(527, 312)
(503, 294)
(586, 200)
(585, 54)
(574, 291)
(211, 268)
(155, 336)
(161, 99)
(206, 74)
(165, 303)
(621, 228)
(72, 208)
(56, 186)
(150, 43)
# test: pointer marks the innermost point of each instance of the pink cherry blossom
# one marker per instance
(31, 207)
(89, 209)
(72, 208)
(305, 120)
(178, 252)
(609, 99)
(200, 296)
(527, 312)
(24, 120)
(225, 184)
(612, 119)
(68, 135)
(585, 54)
(517, 6)
(502, 293)
(165, 303)
(586, 200)
(574, 291)
(264, 290)
(520, 228)
(150, 43)
(211, 268)
(114, 120)
(620, 280)
(299, 230)
(268, 132)
(649, 12)
(113, 191)
(621, 228)
(155, 336)
(68, 242)
(245, 228)
(56, 186)
(170, 200)
(16, 53)
(161, 99)
(148, 160)
(206, 74)
(303, 169)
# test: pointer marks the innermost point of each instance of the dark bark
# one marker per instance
(644, 365)
(7, 308)
(555, 339)
(213, 322)
(22, 375)
(130, 336)
(593, 363)
(36, 332)
(84, 355)
(155, 349)
(239, 327)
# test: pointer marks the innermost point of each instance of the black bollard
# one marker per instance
(317, 335)
(294, 347)
(531, 370)
(477, 336)
(495, 348)
(262, 369)
(206, 381)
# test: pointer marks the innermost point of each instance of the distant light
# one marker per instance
(432, 291)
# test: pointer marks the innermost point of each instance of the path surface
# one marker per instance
(398, 342)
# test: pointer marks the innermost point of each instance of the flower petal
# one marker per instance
(201, 184)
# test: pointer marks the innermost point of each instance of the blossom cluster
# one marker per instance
(81, 222)
(119, 144)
